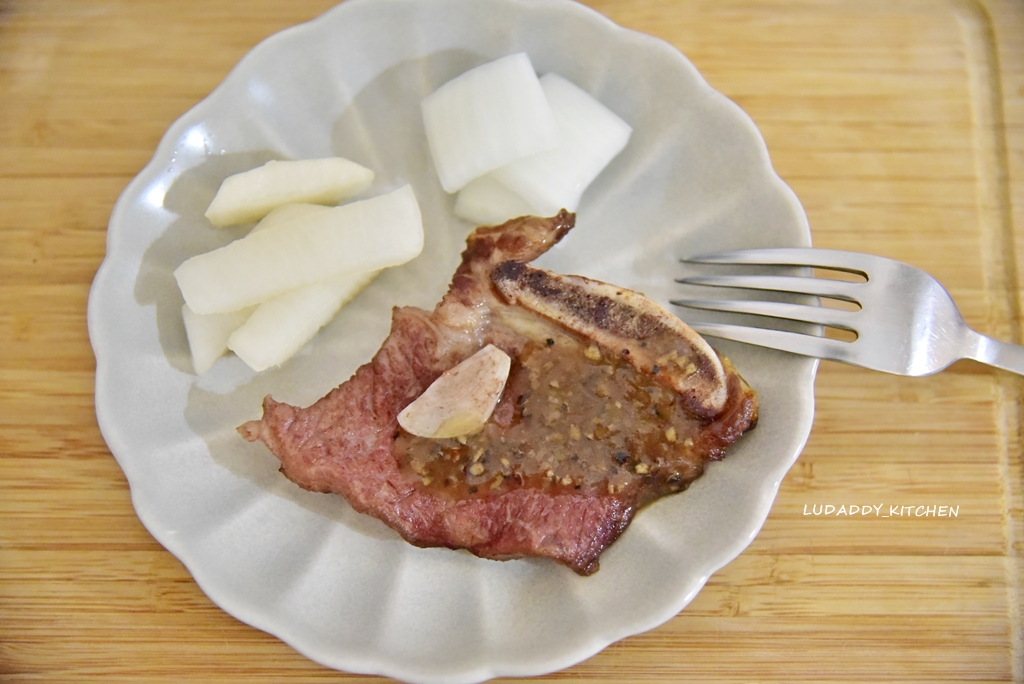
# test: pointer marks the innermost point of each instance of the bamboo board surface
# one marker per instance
(900, 125)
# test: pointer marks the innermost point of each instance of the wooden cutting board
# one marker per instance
(899, 124)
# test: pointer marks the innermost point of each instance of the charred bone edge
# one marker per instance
(623, 323)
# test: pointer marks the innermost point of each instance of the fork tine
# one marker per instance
(795, 343)
(836, 289)
(821, 315)
(851, 262)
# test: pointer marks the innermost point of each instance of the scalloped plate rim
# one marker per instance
(250, 614)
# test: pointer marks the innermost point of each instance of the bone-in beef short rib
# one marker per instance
(611, 402)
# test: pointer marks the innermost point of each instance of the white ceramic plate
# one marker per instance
(341, 587)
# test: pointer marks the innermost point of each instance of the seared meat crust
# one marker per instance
(349, 442)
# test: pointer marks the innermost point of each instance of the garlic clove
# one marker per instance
(460, 401)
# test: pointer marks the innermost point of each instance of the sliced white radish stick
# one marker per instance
(486, 118)
(359, 237)
(282, 325)
(591, 137)
(460, 401)
(208, 334)
(249, 196)
(485, 201)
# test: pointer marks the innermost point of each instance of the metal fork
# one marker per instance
(907, 323)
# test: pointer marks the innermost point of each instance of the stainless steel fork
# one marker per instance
(907, 323)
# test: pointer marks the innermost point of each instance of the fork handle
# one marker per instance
(995, 353)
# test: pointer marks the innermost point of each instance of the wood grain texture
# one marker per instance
(899, 124)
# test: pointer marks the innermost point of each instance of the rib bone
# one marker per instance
(625, 323)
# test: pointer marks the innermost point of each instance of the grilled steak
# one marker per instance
(611, 402)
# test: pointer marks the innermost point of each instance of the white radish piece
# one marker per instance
(282, 325)
(249, 196)
(460, 401)
(485, 201)
(592, 135)
(271, 333)
(208, 334)
(358, 237)
(485, 118)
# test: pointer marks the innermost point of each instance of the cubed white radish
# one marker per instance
(354, 238)
(249, 196)
(286, 213)
(485, 118)
(208, 334)
(592, 135)
(282, 325)
(460, 401)
(485, 201)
